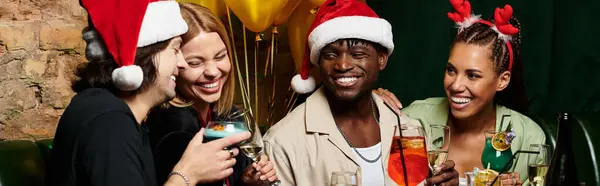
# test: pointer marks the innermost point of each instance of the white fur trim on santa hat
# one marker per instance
(128, 78)
(162, 21)
(372, 29)
(303, 86)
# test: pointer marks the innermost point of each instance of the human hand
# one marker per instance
(261, 173)
(390, 99)
(446, 175)
(209, 162)
(511, 179)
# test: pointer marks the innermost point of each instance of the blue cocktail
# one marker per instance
(220, 129)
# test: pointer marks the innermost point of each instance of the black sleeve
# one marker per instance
(110, 151)
(158, 125)
(168, 152)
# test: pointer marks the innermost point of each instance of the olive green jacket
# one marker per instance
(434, 111)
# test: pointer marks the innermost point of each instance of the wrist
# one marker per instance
(184, 174)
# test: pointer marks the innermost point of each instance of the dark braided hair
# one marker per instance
(513, 96)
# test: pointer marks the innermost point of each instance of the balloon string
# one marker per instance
(247, 73)
(237, 63)
(292, 105)
(266, 72)
(273, 51)
(257, 41)
(273, 47)
(291, 102)
(286, 100)
(272, 101)
(267, 61)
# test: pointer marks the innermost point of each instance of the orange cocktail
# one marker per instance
(415, 158)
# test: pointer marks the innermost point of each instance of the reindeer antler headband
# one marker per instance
(463, 19)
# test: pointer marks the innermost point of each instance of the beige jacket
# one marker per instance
(306, 147)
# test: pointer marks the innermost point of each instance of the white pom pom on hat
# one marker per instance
(303, 86)
(128, 78)
(335, 20)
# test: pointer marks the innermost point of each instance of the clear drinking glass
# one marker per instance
(470, 177)
(408, 153)
(343, 179)
(253, 147)
(537, 164)
(493, 157)
(220, 129)
(439, 143)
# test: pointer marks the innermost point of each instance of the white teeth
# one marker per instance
(212, 85)
(347, 79)
(173, 77)
(461, 100)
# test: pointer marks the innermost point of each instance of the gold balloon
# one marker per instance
(284, 14)
(257, 15)
(318, 3)
(297, 29)
(216, 6)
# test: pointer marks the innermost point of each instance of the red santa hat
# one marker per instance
(127, 24)
(340, 19)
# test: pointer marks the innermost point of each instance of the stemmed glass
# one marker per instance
(343, 179)
(220, 129)
(438, 142)
(253, 147)
(537, 164)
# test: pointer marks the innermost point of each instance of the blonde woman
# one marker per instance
(205, 92)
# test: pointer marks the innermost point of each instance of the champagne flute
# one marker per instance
(438, 144)
(343, 179)
(537, 164)
(253, 147)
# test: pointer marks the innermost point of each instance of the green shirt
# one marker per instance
(434, 111)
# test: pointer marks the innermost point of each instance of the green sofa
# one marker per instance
(23, 163)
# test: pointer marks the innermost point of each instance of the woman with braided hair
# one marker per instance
(484, 91)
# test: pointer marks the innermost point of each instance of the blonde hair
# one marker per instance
(201, 19)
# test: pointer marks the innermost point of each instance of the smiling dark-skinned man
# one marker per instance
(342, 126)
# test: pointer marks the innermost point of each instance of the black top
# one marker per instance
(171, 130)
(99, 142)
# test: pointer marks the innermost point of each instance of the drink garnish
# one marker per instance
(499, 142)
(502, 140)
(218, 128)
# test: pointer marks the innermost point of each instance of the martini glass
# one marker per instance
(220, 129)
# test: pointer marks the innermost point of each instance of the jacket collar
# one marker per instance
(319, 119)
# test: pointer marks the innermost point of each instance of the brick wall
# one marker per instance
(40, 46)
